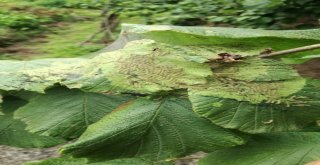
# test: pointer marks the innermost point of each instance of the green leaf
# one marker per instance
(32, 75)
(145, 66)
(246, 42)
(226, 32)
(84, 161)
(66, 113)
(302, 59)
(254, 80)
(158, 130)
(152, 59)
(311, 56)
(275, 149)
(142, 66)
(289, 113)
(13, 133)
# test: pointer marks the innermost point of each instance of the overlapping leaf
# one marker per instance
(254, 80)
(232, 40)
(276, 149)
(158, 130)
(161, 58)
(84, 161)
(290, 113)
(13, 133)
(151, 67)
(33, 75)
(142, 66)
(66, 113)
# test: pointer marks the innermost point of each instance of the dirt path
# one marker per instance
(17, 156)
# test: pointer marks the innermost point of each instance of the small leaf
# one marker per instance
(158, 130)
(66, 113)
(275, 149)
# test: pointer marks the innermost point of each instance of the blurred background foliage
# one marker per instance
(56, 28)
(266, 14)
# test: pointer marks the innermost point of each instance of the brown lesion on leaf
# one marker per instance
(224, 58)
(124, 105)
(227, 57)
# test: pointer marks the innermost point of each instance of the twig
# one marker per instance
(107, 25)
(295, 50)
(92, 37)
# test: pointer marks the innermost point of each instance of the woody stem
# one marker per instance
(295, 50)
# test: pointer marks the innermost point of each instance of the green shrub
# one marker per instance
(80, 4)
(270, 14)
(19, 21)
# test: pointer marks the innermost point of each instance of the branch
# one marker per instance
(295, 50)
(107, 25)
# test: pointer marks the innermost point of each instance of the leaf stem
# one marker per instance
(288, 51)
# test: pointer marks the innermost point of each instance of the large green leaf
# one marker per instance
(233, 40)
(275, 149)
(33, 75)
(66, 113)
(142, 66)
(289, 113)
(145, 66)
(159, 130)
(84, 161)
(254, 80)
(156, 58)
(13, 133)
